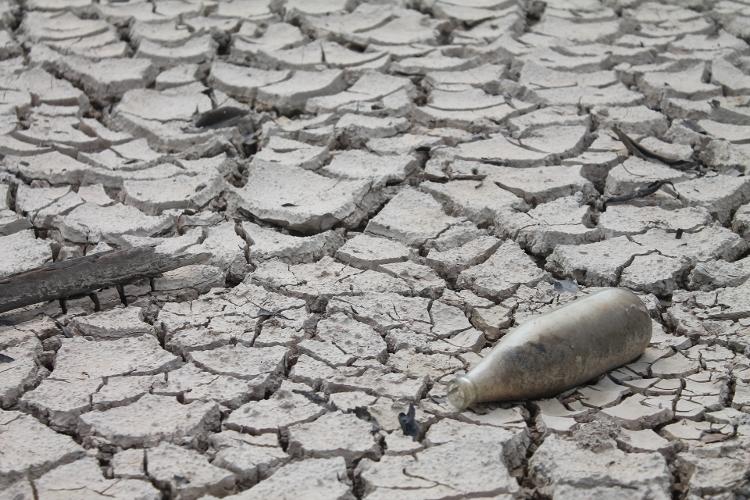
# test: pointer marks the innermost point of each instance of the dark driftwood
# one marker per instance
(82, 276)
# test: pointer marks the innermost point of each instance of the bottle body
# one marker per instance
(559, 350)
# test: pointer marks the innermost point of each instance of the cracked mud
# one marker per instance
(382, 189)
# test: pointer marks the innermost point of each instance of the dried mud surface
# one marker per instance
(384, 188)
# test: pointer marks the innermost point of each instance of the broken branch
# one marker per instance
(84, 275)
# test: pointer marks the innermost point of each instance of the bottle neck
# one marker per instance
(461, 392)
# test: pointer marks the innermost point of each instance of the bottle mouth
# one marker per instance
(461, 393)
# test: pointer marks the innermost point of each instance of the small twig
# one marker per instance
(639, 151)
(640, 192)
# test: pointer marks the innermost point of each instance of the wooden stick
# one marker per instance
(82, 276)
